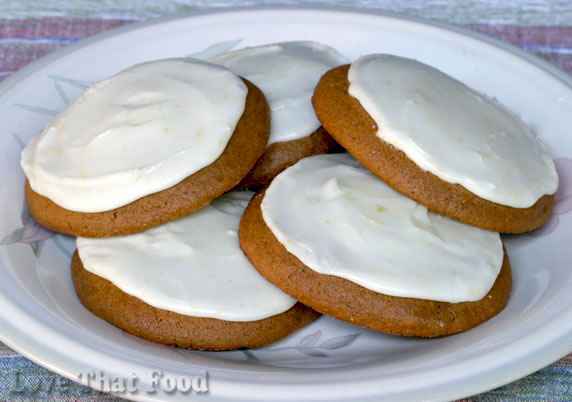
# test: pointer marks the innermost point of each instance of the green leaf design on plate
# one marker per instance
(15, 237)
(250, 357)
(215, 50)
(339, 342)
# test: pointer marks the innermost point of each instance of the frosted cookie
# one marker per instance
(186, 283)
(338, 239)
(439, 142)
(146, 146)
(287, 73)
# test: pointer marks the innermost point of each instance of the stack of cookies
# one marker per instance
(150, 167)
(404, 238)
(137, 166)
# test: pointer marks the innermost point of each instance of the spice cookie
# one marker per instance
(281, 155)
(332, 235)
(287, 73)
(439, 142)
(147, 146)
(186, 283)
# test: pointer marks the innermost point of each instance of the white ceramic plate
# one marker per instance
(41, 317)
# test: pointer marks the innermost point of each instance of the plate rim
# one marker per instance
(48, 358)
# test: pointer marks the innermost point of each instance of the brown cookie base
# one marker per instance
(138, 318)
(241, 153)
(348, 122)
(348, 301)
(282, 155)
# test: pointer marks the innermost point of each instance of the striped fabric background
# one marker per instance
(30, 29)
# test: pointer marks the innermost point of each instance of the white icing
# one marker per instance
(287, 73)
(339, 219)
(136, 133)
(453, 131)
(192, 266)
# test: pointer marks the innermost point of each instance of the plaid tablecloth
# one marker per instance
(30, 29)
